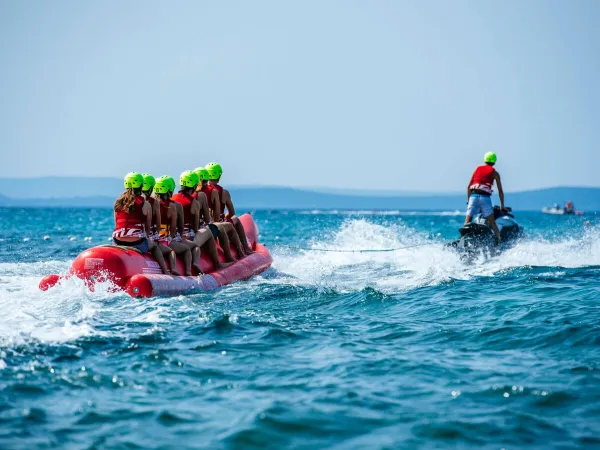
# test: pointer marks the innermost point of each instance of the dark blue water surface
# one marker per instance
(405, 349)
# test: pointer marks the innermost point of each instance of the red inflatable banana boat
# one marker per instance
(140, 276)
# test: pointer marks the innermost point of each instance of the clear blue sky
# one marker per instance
(391, 94)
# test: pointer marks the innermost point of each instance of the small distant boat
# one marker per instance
(567, 210)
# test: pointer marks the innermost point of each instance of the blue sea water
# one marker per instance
(405, 349)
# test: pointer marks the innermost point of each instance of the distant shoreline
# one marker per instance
(102, 193)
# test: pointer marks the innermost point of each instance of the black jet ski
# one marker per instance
(477, 237)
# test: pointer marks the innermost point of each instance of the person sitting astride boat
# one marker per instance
(207, 196)
(202, 237)
(167, 233)
(569, 208)
(215, 171)
(147, 188)
(179, 235)
(479, 193)
(133, 220)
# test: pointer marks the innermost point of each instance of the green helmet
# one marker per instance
(133, 180)
(163, 185)
(189, 179)
(214, 170)
(172, 184)
(202, 173)
(490, 158)
(149, 182)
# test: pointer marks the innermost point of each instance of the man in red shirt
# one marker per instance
(479, 193)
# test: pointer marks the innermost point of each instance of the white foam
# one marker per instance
(414, 267)
(374, 212)
(69, 310)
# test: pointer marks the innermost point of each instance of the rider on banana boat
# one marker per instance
(479, 193)
(202, 237)
(167, 230)
(133, 220)
(179, 235)
(147, 188)
(215, 171)
(226, 233)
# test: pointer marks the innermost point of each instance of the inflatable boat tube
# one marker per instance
(140, 276)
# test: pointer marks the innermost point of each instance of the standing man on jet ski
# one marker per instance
(479, 193)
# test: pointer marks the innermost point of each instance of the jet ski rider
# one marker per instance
(479, 193)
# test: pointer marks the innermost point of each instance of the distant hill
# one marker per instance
(101, 192)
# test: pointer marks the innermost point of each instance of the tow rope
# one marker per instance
(375, 250)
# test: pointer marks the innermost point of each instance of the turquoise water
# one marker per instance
(408, 349)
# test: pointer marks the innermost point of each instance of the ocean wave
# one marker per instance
(368, 212)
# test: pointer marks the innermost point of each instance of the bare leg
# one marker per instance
(468, 220)
(492, 221)
(170, 254)
(233, 237)
(205, 239)
(224, 240)
(242, 235)
(158, 256)
(195, 254)
(182, 249)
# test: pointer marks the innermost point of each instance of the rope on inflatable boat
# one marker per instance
(375, 250)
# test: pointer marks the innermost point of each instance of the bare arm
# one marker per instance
(157, 214)
(195, 211)
(500, 190)
(172, 214)
(216, 205)
(204, 211)
(180, 223)
(147, 212)
(228, 203)
(469, 187)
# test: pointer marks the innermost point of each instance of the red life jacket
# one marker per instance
(185, 200)
(483, 179)
(219, 189)
(130, 224)
(152, 201)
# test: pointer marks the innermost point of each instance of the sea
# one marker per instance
(333, 347)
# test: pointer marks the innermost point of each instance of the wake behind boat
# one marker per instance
(477, 237)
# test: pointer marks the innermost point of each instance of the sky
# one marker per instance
(394, 95)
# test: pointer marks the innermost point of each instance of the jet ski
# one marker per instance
(477, 237)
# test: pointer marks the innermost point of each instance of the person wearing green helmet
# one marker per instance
(195, 250)
(133, 220)
(201, 236)
(222, 202)
(147, 188)
(224, 231)
(479, 193)
(168, 235)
